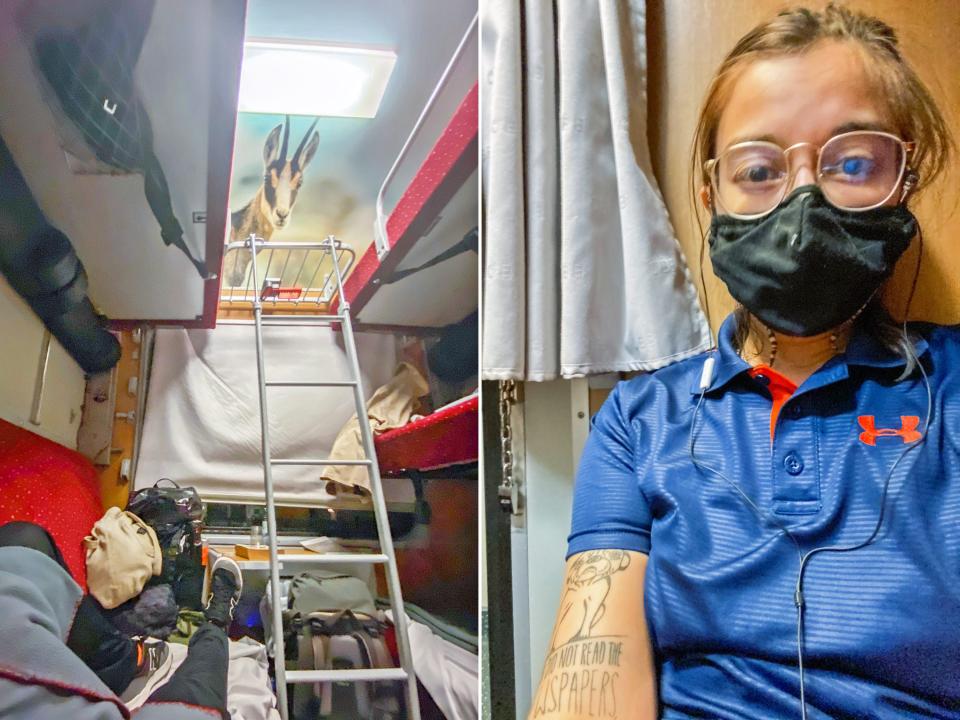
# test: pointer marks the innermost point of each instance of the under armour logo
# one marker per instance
(907, 432)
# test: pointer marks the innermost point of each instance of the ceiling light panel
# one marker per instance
(307, 78)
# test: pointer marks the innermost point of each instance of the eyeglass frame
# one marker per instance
(909, 179)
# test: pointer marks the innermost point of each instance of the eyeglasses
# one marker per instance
(858, 170)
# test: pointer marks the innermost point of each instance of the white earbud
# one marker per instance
(706, 377)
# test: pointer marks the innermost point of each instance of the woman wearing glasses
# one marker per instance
(772, 529)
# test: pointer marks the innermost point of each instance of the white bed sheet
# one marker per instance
(449, 673)
(202, 423)
(249, 690)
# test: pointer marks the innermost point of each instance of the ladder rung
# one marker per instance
(361, 675)
(318, 461)
(312, 383)
(290, 323)
(333, 558)
(306, 318)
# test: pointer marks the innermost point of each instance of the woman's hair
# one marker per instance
(911, 110)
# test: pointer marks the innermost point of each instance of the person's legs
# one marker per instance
(111, 655)
(92, 637)
(26, 534)
(202, 678)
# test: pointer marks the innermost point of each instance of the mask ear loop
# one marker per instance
(909, 186)
(703, 288)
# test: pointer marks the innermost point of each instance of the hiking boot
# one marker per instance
(153, 669)
(226, 582)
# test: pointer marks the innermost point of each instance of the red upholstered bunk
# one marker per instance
(56, 488)
(446, 438)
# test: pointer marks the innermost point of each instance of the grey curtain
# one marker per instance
(582, 271)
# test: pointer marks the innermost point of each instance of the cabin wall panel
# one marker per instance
(21, 336)
(114, 489)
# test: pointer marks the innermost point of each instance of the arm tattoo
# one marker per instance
(581, 672)
(584, 599)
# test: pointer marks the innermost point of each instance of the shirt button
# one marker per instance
(762, 379)
(794, 411)
(793, 463)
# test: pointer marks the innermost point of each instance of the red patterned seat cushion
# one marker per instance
(56, 488)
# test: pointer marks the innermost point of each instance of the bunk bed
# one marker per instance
(434, 215)
(418, 278)
(435, 212)
(186, 79)
(387, 291)
(444, 440)
(423, 254)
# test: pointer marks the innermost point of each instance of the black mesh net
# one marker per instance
(90, 71)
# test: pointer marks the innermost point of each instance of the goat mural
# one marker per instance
(269, 209)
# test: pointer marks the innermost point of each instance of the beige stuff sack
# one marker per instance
(391, 406)
(122, 555)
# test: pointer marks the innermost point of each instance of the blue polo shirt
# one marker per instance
(882, 624)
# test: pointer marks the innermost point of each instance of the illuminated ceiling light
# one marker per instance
(306, 78)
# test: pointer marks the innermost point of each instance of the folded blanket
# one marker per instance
(391, 407)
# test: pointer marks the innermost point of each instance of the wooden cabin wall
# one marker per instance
(21, 337)
(687, 39)
(113, 489)
(439, 573)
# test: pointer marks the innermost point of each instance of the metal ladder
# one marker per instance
(386, 557)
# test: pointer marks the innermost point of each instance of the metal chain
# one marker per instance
(507, 398)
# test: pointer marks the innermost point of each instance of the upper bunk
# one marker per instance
(291, 278)
(421, 272)
(439, 443)
(130, 161)
(388, 219)
(426, 249)
(420, 276)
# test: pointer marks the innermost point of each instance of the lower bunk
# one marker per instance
(56, 490)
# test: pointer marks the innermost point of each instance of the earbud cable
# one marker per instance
(767, 517)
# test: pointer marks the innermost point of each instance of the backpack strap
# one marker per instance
(380, 653)
(382, 693)
(302, 694)
(322, 660)
(469, 242)
(158, 198)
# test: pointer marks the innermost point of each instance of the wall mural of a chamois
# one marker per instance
(268, 211)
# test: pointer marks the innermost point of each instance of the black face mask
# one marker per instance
(807, 267)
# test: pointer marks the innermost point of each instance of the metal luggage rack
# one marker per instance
(294, 274)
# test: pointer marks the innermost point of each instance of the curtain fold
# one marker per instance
(582, 271)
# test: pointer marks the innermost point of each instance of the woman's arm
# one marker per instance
(600, 661)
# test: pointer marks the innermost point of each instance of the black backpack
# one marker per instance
(176, 515)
